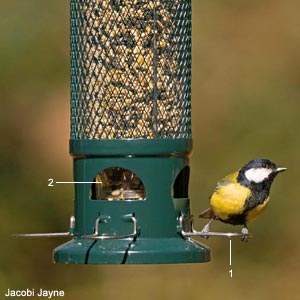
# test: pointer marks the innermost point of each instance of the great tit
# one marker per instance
(242, 196)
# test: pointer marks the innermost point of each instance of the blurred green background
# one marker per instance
(246, 77)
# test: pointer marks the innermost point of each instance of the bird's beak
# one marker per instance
(278, 170)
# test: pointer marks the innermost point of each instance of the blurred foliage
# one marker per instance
(246, 76)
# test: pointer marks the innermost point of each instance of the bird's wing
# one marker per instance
(229, 197)
(208, 213)
(229, 179)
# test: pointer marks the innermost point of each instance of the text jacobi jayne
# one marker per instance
(31, 293)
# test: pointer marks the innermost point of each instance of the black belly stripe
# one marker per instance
(235, 219)
(259, 194)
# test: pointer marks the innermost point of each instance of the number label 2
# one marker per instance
(51, 182)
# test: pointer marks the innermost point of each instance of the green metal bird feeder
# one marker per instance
(131, 133)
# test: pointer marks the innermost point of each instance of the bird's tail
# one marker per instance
(207, 214)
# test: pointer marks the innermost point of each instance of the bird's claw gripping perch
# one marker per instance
(206, 233)
(245, 234)
(206, 228)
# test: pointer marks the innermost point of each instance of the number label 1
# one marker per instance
(51, 182)
(230, 273)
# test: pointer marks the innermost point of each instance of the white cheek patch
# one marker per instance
(257, 174)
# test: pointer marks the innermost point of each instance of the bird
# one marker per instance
(242, 196)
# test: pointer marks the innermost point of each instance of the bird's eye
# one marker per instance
(264, 165)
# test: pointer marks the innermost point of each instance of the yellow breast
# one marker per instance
(229, 197)
(257, 211)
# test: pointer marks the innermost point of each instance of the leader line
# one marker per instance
(229, 252)
(76, 182)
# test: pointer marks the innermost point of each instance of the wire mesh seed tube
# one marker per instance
(130, 69)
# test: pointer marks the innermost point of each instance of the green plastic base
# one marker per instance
(142, 251)
(163, 168)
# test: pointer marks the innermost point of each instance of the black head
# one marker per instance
(259, 170)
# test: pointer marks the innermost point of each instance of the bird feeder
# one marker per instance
(131, 133)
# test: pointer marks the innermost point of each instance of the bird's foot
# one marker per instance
(205, 229)
(245, 232)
